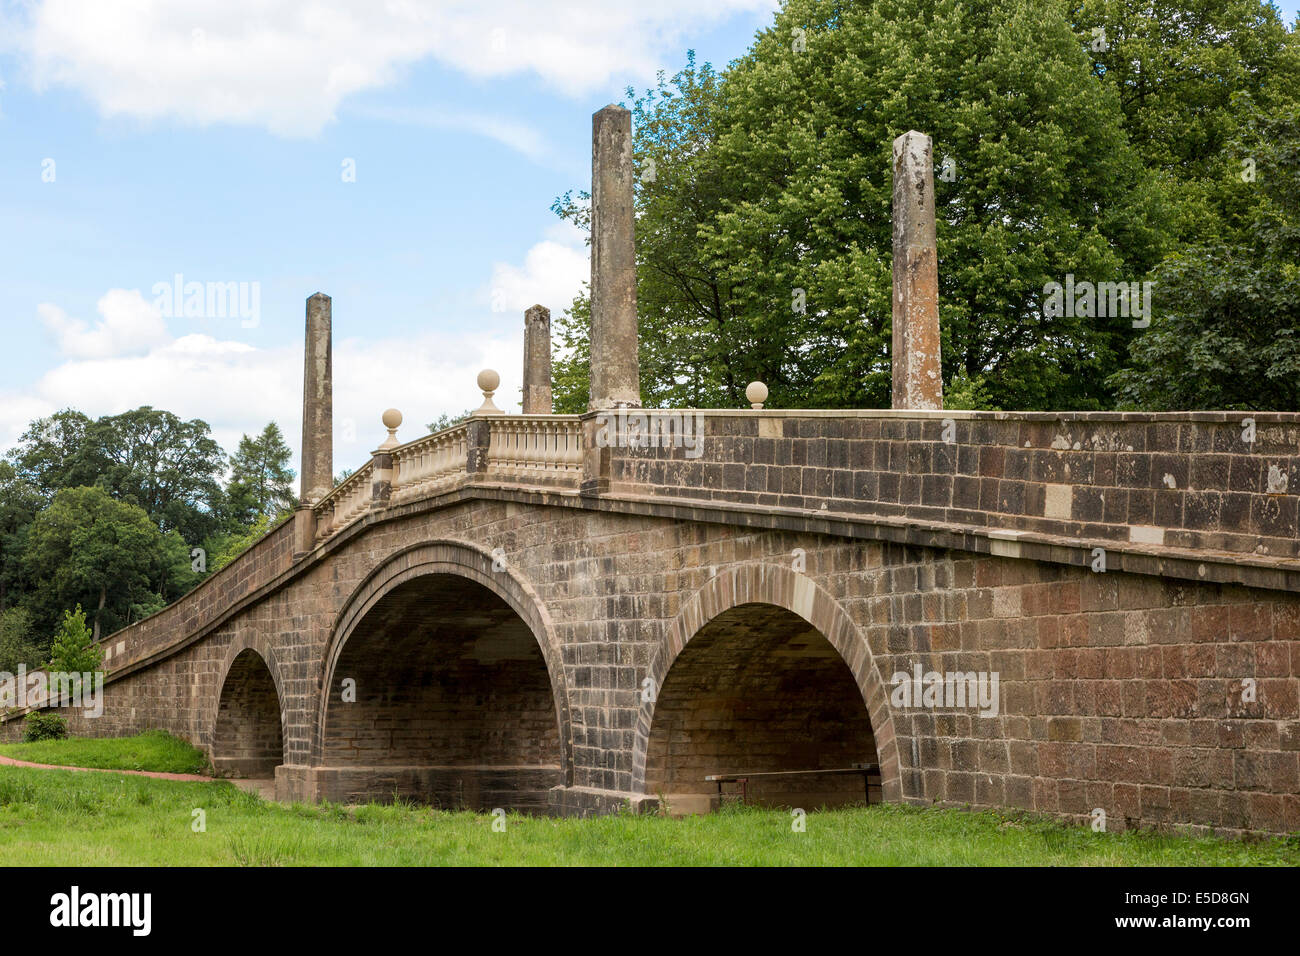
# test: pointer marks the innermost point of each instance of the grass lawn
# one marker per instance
(58, 817)
(151, 750)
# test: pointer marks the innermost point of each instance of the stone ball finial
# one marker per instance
(392, 418)
(488, 381)
(756, 392)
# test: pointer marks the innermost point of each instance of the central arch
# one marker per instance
(763, 671)
(442, 684)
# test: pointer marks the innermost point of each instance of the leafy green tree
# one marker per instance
(20, 500)
(50, 454)
(261, 481)
(74, 650)
(1227, 333)
(16, 643)
(765, 243)
(169, 467)
(1183, 70)
(87, 548)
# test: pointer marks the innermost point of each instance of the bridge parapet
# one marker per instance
(1222, 485)
(535, 448)
(430, 463)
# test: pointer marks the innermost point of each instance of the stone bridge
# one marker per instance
(573, 613)
(529, 619)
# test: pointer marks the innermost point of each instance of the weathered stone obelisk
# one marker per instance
(537, 361)
(615, 376)
(317, 403)
(918, 377)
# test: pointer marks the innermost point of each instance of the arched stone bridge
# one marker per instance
(528, 611)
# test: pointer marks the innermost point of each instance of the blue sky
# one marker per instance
(207, 138)
(219, 155)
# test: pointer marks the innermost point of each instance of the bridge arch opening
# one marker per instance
(441, 694)
(760, 693)
(248, 738)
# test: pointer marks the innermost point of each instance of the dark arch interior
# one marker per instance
(453, 703)
(759, 689)
(248, 740)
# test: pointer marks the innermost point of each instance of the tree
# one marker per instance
(446, 420)
(261, 481)
(1184, 70)
(74, 650)
(169, 467)
(1227, 335)
(87, 548)
(20, 500)
(16, 644)
(50, 454)
(765, 235)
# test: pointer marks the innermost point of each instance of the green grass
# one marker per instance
(55, 817)
(152, 750)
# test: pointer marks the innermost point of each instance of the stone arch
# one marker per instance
(458, 559)
(247, 735)
(787, 590)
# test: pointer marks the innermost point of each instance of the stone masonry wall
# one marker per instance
(1119, 691)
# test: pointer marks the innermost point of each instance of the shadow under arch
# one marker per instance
(460, 560)
(797, 594)
(247, 728)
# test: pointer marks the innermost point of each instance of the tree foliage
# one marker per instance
(88, 548)
(261, 481)
(764, 193)
(74, 650)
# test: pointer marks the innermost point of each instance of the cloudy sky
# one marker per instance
(400, 157)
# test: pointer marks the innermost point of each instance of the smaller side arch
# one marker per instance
(783, 588)
(247, 725)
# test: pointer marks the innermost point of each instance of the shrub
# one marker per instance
(74, 650)
(38, 726)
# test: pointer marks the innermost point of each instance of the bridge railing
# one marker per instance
(538, 450)
(430, 463)
(535, 448)
(349, 500)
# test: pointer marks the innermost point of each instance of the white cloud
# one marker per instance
(287, 64)
(128, 325)
(129, 359)
(552, 273)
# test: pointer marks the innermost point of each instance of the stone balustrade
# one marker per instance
(527, 449)
(430, 463)
(546, 448)
(349, 500)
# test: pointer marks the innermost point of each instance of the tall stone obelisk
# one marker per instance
(317, 477)
(615, 375)
(537, 361)
(918, 372)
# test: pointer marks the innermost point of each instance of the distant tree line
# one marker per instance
(122, 515)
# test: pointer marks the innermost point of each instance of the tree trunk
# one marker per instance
(103, 599)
